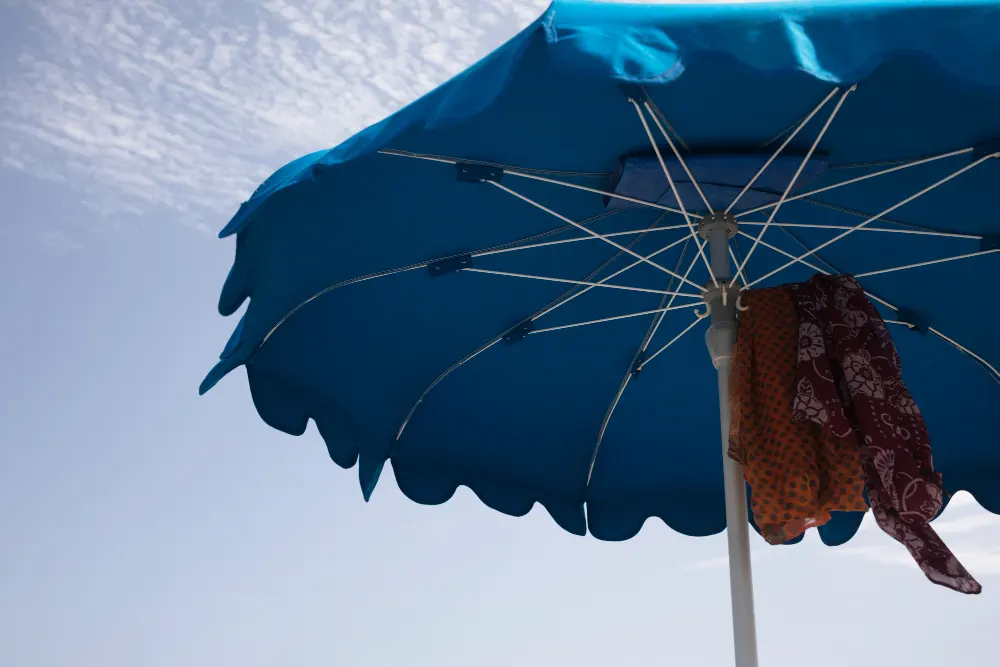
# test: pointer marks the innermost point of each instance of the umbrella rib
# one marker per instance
(656, 311)
(842, 166)
(736, 263)
(798, 172)
(631, 232)
(628, 376)
(777, 152)
(739, 259)
(861, 214)
(507, 168)
(673, 187)
(649, 339)
(698, 318)
(994, 373)
(596, 191)
(915, 232)
(927, 263)
(782, 133)
(451, 369)
(803, 245)
(535, 175)
(655, 111)
(826, 262)
(874, 297)
(568, 281)
(962, 348)
(615, 275)
(560, 301)
(782, 252)
(816, 268)
(833, 269)
(677, 154)
(879, 215)
(590, 232)
(858, 179)
(342, 283)
(419, 265)
(604, 428)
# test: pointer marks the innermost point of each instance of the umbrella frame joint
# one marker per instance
(449, 265)
(519, 332)
(640, 359)
(634, 92)
(988, 148)
(473, 172)
(916, 320)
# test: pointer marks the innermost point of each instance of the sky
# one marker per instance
(144, 525)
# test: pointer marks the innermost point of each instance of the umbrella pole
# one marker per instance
(717, 229)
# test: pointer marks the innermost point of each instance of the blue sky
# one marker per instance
(143, 525)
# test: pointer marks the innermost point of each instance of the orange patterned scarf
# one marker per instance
(798, 472)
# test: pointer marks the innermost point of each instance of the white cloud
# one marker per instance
(188, 106)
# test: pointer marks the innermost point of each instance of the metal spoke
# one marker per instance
(895, 309)
(583, 188)
(680, 158)
(673, 340)
(544, 244)
(915, 232)
(673, 188)
(614, 318)
(628, 376)
(568, 281)
(776, 153)
(798, 172)
(590, 232)
(879, 215)
(866, 177)
(560, 301)
(814, 267)
(536, 175)
(613, 275)
(927, 263)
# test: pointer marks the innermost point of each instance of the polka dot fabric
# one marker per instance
(798, 472)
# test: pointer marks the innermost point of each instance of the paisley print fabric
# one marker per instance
(849, 379)
(798, 471)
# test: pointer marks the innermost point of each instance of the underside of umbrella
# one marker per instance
(510, 283)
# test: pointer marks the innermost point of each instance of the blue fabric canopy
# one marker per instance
(383, 307)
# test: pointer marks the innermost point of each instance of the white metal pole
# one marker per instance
(721, 336)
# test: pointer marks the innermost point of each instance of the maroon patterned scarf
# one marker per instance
(849, 379)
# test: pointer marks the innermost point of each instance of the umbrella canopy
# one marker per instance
(335, 247)
(498, 286)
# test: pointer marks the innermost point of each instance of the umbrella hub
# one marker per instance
(718, 222)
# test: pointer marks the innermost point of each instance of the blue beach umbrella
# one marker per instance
(510, 283)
